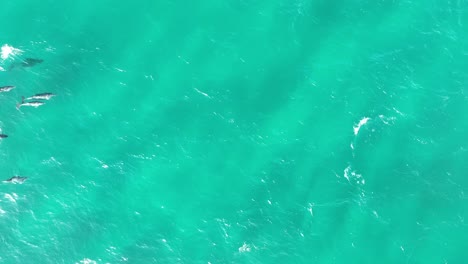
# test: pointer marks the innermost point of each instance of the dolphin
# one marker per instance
(16, 179)
(31, 103)
(35, 104)
(41, 96)
(6, 88)
(3, 136)
(29, 62)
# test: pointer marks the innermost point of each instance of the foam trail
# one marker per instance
(202, 93)
(361, 123)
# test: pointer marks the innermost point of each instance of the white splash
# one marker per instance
(387, 120)
(103, 165)
(10, 197)
(350, 174)
(149, 77)
(8, 51)
(244, 248)
(51, 161)
(375, 214)
(310, 209)
(88, 261)
(361, 123)
(398, 112)
(346, 172)
(202, 93)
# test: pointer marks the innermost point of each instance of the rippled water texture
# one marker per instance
(236, 131)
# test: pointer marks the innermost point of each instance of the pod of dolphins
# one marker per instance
(34, 101)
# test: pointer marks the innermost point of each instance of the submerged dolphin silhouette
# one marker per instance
(28, 62)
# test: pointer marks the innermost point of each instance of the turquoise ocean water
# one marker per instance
(236, 131)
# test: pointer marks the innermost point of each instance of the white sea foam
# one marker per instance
(202, 93)
(346, 172)
(360, 124)
(10, 197)
(8, 51)
(310, 209)
(398, 112)
(244, 248)
(350, 174)
(87, 261)
(387, 120)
